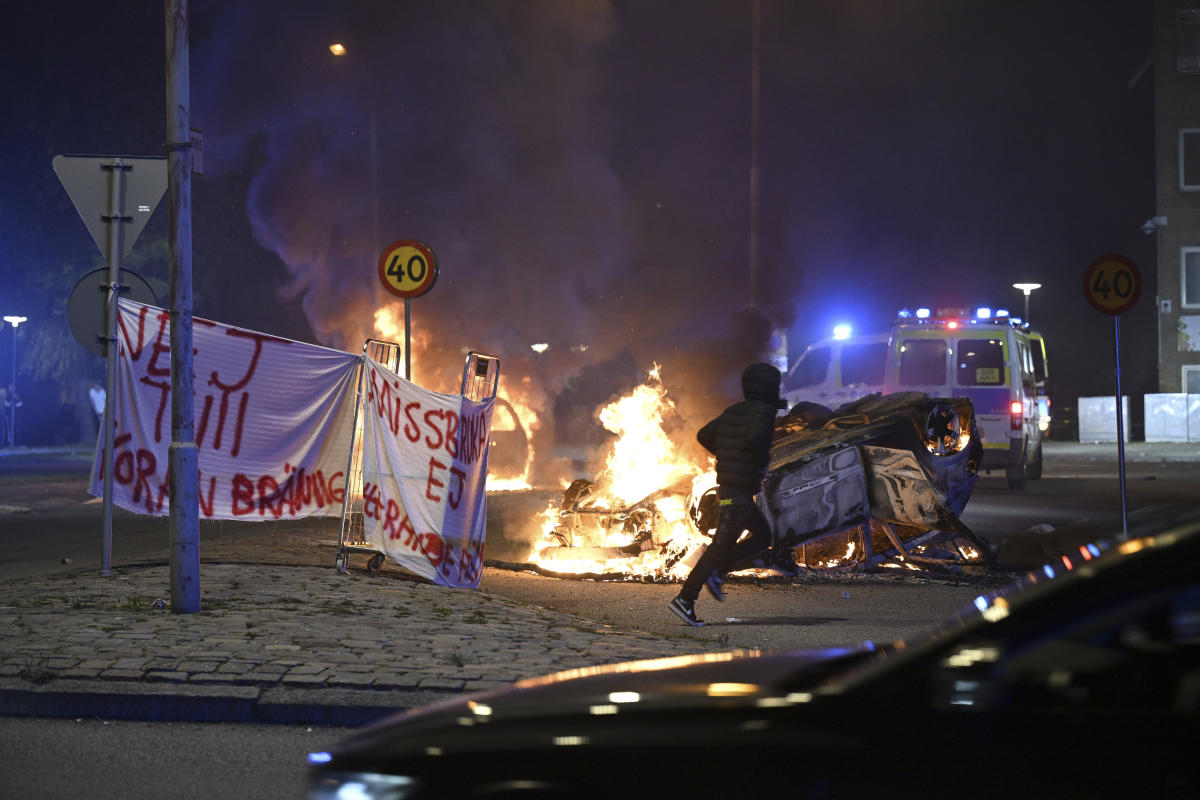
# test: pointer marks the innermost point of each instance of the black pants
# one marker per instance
(736, 515)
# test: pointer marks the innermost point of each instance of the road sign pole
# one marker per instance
(1120, 424)
(1113, 284)
(115, 218)
(408, 269)
(408, 338)
(183, 479)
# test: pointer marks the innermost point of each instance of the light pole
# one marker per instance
(12, 389)
(339, 51)
(1027, 288)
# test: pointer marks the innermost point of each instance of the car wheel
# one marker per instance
(1033, 470)
(1016, 475)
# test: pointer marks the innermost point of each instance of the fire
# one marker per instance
(389, 326)
(636, 519)
(521, 419)
(643, 456)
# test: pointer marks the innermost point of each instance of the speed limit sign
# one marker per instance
(408, 268)
(1112, 284)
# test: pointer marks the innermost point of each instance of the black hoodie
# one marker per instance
(741, 436)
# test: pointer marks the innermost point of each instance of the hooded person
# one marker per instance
(740, 438)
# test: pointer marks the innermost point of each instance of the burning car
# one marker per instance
(880, 481)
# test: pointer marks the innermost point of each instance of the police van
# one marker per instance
(987, 357)
(833, 372)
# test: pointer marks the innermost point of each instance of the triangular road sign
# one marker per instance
(87, 182)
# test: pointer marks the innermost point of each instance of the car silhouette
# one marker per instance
(1080, 679)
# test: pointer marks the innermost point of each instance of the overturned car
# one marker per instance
(880, 482)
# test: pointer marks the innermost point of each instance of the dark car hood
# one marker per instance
(688, 683)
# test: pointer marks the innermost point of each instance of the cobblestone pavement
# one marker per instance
(279, 642)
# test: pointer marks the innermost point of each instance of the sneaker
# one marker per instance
(685, 610)
(714, 584)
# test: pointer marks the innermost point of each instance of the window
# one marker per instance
(1188, 24)
(1037, 349)
(809, 370)
(1189, 268)
(1189, 159)
(1191, 380)
(922, 362)
(980, 362)
(863, 363)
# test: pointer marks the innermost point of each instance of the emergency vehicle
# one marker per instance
(835, 371)
(988, 357)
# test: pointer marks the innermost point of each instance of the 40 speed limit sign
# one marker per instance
(1112, 284)
(408, 268)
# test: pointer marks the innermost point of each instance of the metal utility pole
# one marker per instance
(754, 56)
(116, 170)
(184, 478)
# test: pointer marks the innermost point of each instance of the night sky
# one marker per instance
(581, 170)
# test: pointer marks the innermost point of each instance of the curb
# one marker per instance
(127, 700)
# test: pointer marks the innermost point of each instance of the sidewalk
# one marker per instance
(291, 641)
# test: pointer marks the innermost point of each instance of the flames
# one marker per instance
(643, 455)
(517, 417)
(637, 518)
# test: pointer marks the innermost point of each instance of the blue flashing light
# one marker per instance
(1001, 312)
(923, 313)
(983, 312)
(841, 331)
(1049, 570)
(981, 603)
(319, 758)
(904, 313)
(1093, 549)
(1015, 320)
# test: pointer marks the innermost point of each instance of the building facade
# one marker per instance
(1177, 193)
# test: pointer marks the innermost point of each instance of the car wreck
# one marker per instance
(879, 482)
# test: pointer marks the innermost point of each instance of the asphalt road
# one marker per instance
(100, 759)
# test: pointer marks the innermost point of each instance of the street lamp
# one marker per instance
(1027, 288)
(12, 389)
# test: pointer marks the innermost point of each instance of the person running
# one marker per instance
(740, 438)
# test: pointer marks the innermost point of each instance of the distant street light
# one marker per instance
(12, 388)
(1027, 288)
(337, 48)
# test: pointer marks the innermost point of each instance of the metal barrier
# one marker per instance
(352, 535)
(481, 378)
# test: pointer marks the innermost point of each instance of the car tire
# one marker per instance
(1015, 475)
(1033, 470)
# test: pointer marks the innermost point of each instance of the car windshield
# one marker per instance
(809, 370)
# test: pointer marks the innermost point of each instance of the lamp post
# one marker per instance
(1027, 288)
(339, 51)
(12, 399)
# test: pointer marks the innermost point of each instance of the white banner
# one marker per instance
(273, 420)
(424, 469)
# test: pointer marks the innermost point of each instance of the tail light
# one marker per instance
(1015, 408)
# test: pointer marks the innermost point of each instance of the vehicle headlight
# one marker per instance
(360, 786)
